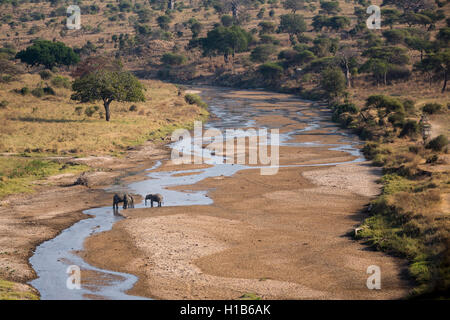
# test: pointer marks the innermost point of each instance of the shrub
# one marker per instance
(78, 110)
(173, 59)
(45, 74)
(49, 90)
(24, 91)
(432, 108)
(61, 82)
(38, 92)
(410, 128)
(438, 143)
(347, 107)
(3, 104)
(133, 108)
(262, 53)
(91, 110)
(195, 99)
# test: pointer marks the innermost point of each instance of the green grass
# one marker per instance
(9, 292)
(249, 296)
(17, 174)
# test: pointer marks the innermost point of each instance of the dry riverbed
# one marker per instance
(26, 220)
(285, 236)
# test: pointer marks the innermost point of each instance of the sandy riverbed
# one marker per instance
(57, 203)
(280, 237)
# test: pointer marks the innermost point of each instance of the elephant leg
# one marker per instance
(159, 204)
(152, 203)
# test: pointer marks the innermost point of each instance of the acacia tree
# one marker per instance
(437, 64)
(225, 41)
(48, 54)
(294, 5)
(333, 83)
(411, 5)
(108, 86)
(292, 24)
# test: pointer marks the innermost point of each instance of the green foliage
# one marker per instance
(389, 104)
(108, 86)
(333, 82)
(227, 20)
(195, 99)
(330, 7)
(432, 108)
(89, 111)
(292, 23)
(271, 72)
(48, 54)
(438, 143)
(61, 82)
(411, 129)
(173, 59)
(225, 41)
(262, 53)
(45, 74)
(163, 22)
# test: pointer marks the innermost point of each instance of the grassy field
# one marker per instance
(13, 291)
(33, 128)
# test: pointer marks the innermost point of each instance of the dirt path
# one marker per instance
(277, 237)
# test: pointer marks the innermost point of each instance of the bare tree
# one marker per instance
(345, 56)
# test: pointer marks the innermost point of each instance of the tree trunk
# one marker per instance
(106, 104)
(445, 81)
(348, 75)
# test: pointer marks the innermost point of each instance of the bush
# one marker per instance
(262, 53)
(3, 104)
(78, 110)
(133, 108)
(45, 74)
(173, 59)
(195, 99)
(49, 90)
(38, 92)
(438, 143)
(91, 110)
(432, 108)
(61, 82)
(347, 107)
(410, 128)
(24, 91)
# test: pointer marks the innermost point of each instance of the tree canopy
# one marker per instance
(48, 54)
(108, 86)
(225, 41)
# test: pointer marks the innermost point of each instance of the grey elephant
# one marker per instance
(154, 197)
(127, 200)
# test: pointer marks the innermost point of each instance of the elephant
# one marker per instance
(154, 197)
(127, 199)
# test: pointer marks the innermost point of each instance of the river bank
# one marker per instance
(27, 220)
(275, 237)
(45, 202)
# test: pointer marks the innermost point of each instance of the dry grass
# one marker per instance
(52, 125)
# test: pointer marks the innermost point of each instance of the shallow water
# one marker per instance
(52, 258)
